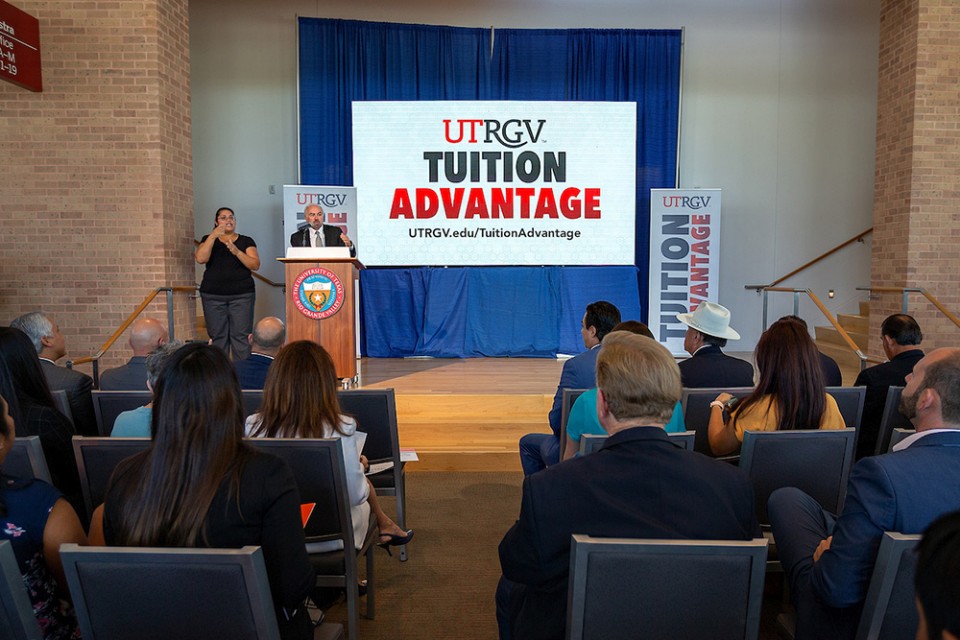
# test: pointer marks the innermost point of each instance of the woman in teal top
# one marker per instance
(583, 420)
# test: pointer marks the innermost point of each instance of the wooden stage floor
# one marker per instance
(466, 414)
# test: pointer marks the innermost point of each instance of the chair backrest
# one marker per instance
(815, 461)
(96, 460)
(62, 402)
(696, 412)
(317, 466)
(17, 621)
(107, 405)
(891, 419)
(153, 593)
(252, 401)
(898, 435)
(626, 588)
(590, 442)
(26, 460)
(376, 414)
(889, 610)
(850, 402)
(568, 397)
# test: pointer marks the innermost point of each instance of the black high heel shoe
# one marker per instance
(395, 541)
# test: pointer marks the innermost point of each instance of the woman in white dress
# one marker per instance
(300, 401)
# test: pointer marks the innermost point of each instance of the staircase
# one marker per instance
(831, 343)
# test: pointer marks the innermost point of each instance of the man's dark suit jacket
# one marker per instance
(710, 367)
(639, 485)
(331, 238)
(252, 371)
(78, 386)
(129, 377)
(878, 381)
(831, 371)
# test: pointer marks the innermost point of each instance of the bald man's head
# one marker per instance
(146, 334)
(268, 336)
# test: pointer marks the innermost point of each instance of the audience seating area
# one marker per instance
(729, 576)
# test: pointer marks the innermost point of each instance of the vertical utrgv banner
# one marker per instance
(684, 258)
(339, 206)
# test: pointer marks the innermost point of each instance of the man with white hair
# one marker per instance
(638, 485)
(146, 334)
(51, 346)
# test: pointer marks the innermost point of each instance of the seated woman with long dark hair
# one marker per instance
(789, 395)
(36, 520)
(300, 401)
(36, 414)
(201, 485)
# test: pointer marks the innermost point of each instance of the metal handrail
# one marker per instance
(857, 238)
(823, 309)
(95, 359)
(906, 291)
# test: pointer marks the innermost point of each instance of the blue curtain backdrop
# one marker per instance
(534, 312)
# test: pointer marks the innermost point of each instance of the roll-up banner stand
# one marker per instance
(684, 258)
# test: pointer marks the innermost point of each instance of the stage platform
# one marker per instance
(469, 414)
(466, 414)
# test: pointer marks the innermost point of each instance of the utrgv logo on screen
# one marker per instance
(509, 133)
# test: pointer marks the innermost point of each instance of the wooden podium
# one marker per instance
(333, 328)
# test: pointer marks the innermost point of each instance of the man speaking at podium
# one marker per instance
(317, 234)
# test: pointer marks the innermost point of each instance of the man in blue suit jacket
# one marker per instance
(829, 560)
(265, 341)
(639, 485)
(539, 450)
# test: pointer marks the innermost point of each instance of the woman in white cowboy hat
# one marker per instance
(708, 330)
(789, 395)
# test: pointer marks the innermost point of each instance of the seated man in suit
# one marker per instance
(638, 485)
(540, 450)
(938, 579)
(708, 329)
(318, 234)
(901, 337)
(51, 346)
(146, 334)
(829, 560)
(268, 336)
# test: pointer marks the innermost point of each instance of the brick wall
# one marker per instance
(96, 197)
(917, 199)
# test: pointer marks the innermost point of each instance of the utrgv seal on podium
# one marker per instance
(318, 293)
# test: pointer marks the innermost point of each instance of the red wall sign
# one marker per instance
(20, 48)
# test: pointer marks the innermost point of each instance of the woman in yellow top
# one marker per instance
(789, 395)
